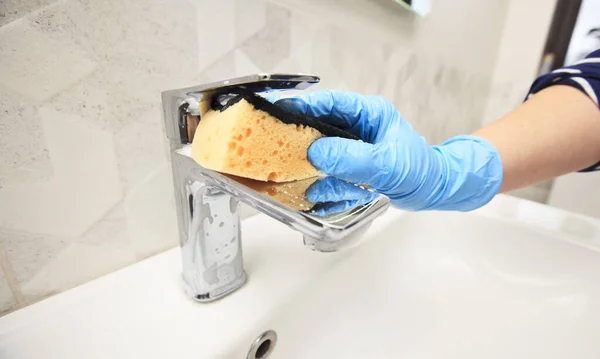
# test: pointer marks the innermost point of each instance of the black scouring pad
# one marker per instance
(284, 116)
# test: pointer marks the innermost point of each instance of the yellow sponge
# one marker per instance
(250, 137)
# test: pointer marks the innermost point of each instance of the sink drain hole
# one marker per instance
(263, 349)
(263, 346)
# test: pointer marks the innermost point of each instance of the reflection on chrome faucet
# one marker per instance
(316, 196)
(330, 213)
(291, 194)
(332, 196)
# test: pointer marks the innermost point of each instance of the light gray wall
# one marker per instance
(517, 64)
(85, 183)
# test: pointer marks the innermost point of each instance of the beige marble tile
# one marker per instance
(104, 248)
(14, 9)
(154, 36)
(76, 264)
(28, 70)
(93, 27)
(28, 253)
(110, 231)
(250, 17)
(504, 97)
(223, 68)
(128, 95)
(302, 57)
(153, 32)
(151, 215)
(216, 30)
(289, 65)
(91, 97)
(23, 153)
(271, 44)
(303, 27)
(7, 300)
(321, 62)
(403, 63)
(352, 49)
(135, 45)
(85, 184)
(243, 65)
(140, 148)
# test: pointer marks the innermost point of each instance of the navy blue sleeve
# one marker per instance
(583, 75)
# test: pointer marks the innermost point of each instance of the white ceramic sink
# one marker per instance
(513, 280)
(448, 285)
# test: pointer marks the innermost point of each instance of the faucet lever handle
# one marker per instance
(261, 82)
(264, 82)
(178, 103)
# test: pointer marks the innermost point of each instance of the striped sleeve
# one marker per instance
(583, 75)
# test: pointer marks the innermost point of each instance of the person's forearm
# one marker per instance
(555, 132)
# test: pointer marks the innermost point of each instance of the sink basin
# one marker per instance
(450, 285)
(513, 280)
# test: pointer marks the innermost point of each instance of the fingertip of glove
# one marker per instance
(316, 153)
(321, 151)
(328, 153)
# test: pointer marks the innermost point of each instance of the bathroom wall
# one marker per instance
(517, 64)
(587, 19)
(578, 192)
(519, 54)
(85, 182)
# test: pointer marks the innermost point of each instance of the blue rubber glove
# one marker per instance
(332, 195)
(462, 174)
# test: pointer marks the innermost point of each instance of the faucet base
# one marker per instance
(211, 247)
(216, 294)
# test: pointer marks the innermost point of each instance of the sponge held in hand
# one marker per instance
(250, 137)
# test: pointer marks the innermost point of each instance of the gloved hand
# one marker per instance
(331, 195)
(463, 173)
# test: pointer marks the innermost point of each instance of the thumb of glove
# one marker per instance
(353, 161)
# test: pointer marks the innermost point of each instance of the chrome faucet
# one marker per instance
(207, 202)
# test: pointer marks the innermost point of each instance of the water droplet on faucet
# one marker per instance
(233, 205)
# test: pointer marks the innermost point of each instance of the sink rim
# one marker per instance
(16, 327)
